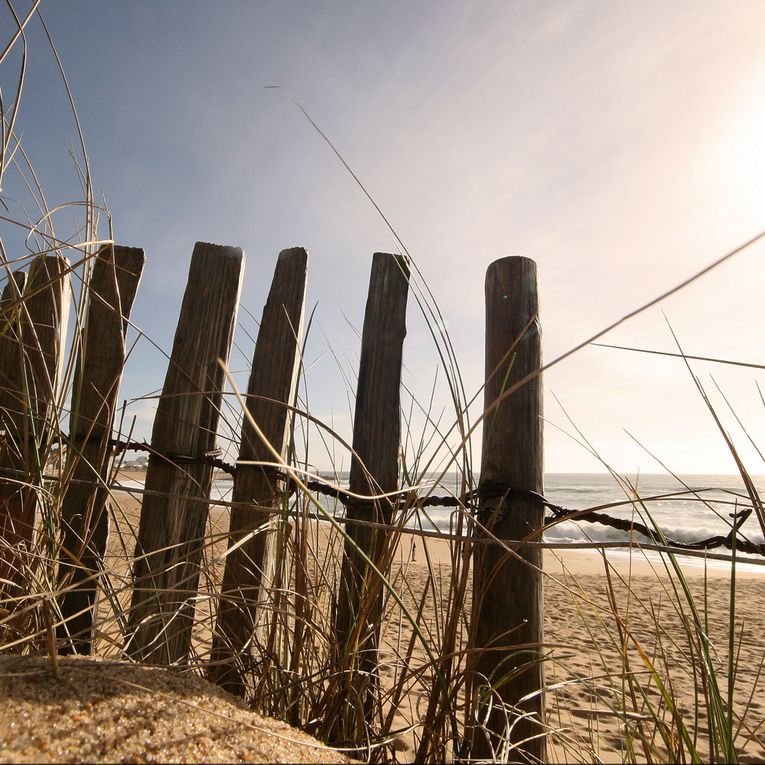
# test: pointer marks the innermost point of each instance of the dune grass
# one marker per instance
(664, 667)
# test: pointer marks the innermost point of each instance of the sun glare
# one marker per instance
(735, 150)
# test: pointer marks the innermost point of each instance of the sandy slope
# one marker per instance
(112, 712)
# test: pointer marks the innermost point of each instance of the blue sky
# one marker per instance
(618, 144)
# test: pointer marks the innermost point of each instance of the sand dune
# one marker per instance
(79, 710)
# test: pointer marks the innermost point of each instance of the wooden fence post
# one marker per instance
(506, 622)
(172, 526)
(11, 360)
(85, 522)
(28, 405)
(271, 386)
(11, 422)
(374, 470)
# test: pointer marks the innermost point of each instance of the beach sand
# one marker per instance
(586, 665)
(80, 710)
(585, 635)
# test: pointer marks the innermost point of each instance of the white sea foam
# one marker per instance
(686, 518)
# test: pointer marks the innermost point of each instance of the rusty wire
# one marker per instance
(472, 500)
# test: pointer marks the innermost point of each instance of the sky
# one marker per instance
(620, 145)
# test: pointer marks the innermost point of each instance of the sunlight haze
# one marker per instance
(620, 145)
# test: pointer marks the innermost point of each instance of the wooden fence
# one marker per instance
(506, 622)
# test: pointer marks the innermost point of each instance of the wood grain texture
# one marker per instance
(11, 358)
(171, 529)
(374, 467)
(12, 414)
(273, 378)
(507, 591)
(111, 290)
(30, 403)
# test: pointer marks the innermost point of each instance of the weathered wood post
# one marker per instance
(172, 526)
(111, 290)
(374, 470)
(506, 622)
(11, 358)
(28, 404)
(249, 567)
(11, 424)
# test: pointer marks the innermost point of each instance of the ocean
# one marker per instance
(686, 518)
(702, 511)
